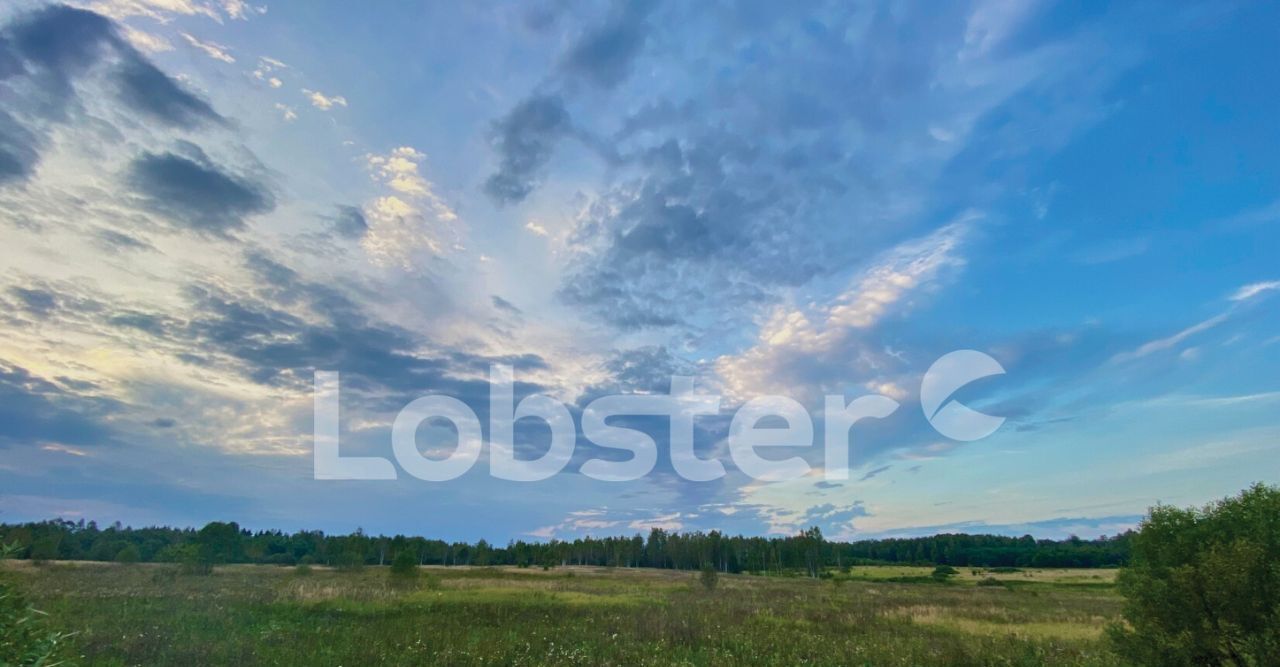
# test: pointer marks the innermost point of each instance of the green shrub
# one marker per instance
(24, 640)
(991, 581)
(128, 555)
(190, 560)
(302, 570)
(351, 560)
(404, 566)
(1203, 587)
(709, 578)
(944, 572)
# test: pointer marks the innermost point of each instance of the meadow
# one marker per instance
(153, 614)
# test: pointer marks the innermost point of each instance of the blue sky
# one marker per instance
(202, 202)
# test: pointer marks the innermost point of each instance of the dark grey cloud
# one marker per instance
(145, 88)
(63, 39)
(525, 139)
(114, 241)
(604, 54)
(19, 149)
(36, 410)
(872, 473)
(349, 222)
(36, 301)
(10, 63)
(505, 306)
(196, 194)
(831, 518)
(45, 52)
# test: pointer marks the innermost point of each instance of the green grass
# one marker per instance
(262, 615)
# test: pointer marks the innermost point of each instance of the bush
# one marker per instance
(404, 566)
(190, 560)
(302, 570)
(1203, 587)
(991, 581)
(23, 638)
(128, 555)
(944, 572)
(351, 560)
(709, 578)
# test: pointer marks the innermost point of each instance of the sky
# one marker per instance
(205, 202)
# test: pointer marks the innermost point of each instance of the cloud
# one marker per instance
(287, 114)
(39, 302)
(527, 136)
(19, 149)
(212, 49)
(872, 473)
(147, 89)
(525, 139)
(115, 241)
(324, 102)
(398, 170)
(604, 54)
(816, 347)
(145, 41)
(536, 229)
(414, 218)
(196, 194)
(1249, 291)
(165, 10)
(264, 71)
(505, 306)
(349, 222)
(1113, 251)
(34, 410)
(46, 52)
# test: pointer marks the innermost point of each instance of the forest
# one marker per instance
(808, 551)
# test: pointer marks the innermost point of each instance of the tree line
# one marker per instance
(807, 552)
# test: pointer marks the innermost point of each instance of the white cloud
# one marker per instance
(1244, 293)
(324, 102)
(166, 10)
(145, 41)
(1247, 292)
(400, 170)
(665, 522)
(266, 66)
(536, 228)
(1209, 454)
(286, 112)
(824, 337)
(63, 449)
(213, 49)
(397, 231)
(239, 9)
(1171, 341)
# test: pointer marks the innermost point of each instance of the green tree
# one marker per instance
(709, 578)
(45, 548)
(220, 542)
(128, 555)
(404, 565)
(1203, 587)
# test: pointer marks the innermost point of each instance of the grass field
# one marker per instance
(263, 615)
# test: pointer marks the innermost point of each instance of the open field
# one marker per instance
(264, 615)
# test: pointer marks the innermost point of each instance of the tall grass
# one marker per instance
(262, 615)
